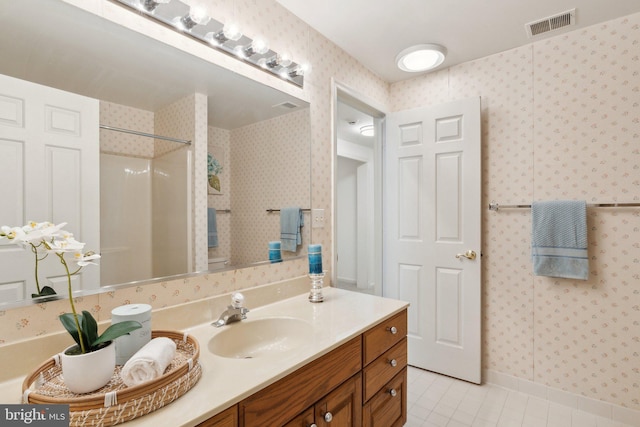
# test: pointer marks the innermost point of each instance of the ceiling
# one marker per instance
(374, 32)
(350, 120)
(61, 46)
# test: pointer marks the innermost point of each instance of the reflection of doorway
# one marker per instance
(358, 196)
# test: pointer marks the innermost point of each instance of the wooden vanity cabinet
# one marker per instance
(361, 383)
(342, 407)
(226, 418)
(308, 387)
(385, 373)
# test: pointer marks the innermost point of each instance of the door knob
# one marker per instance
(469, 255)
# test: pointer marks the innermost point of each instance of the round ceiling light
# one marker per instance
(367, 130)
(421, 57)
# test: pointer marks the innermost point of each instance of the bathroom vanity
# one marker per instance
(341, 362)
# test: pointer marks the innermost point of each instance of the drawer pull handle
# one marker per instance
(393, 362)
(393, 330)
(393, 392)
(328, 417)
(314, 425)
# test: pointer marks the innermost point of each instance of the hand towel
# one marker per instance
(149, 362)
(559, 239)
(212, 227)
(291, 220)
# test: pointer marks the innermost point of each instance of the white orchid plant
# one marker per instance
(45, 238)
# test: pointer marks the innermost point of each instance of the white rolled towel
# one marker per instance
(149, 362)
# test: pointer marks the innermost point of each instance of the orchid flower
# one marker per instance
(45, 238)
(34, 235)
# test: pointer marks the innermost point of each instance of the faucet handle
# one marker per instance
(237, 300)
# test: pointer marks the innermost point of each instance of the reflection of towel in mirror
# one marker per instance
(291, 220)
(212, 228)
(149, 362)
(559, 239)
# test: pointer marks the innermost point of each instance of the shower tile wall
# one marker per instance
(560, 120)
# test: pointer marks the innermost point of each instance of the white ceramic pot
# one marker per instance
(84, 373)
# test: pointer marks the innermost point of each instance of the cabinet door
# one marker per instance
(388, 408)
(342, 407)
(227, 418)
(306, 419)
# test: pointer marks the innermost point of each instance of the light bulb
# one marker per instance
(257, 47)
(231, 31)
(284, 59)
(198, 14)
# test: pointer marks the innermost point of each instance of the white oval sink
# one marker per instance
(260, 337)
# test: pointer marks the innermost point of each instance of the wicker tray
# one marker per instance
(116, 403)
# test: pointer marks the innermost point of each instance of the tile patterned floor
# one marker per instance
(437, 401)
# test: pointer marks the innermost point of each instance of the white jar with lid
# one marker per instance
(128, 345)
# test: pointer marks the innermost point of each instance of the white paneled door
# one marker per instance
(49, 171)
(433, 233)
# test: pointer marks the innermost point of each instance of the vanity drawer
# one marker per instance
(388, 408)
(384, 368)
(384, 336)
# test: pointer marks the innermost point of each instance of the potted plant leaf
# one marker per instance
(88, 364)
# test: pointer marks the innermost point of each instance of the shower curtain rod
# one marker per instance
(493, 206)
(148, 135)
(278, 210)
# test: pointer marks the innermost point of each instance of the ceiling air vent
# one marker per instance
(551, 23)
(286, 104)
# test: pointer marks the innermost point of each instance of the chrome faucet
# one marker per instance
(234, 313)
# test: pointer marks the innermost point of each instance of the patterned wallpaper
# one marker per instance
(560, 121)
(219, 141)
(124, 117)
(270, 170)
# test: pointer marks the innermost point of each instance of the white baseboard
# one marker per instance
(600, 408)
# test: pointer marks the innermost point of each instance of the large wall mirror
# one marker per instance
(132, 195)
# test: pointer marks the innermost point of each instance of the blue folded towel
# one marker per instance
(559, 239)
(212, 228)
(291, 220)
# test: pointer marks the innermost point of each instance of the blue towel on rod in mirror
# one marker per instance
(212, 227)
(559, 239)
(291, 220)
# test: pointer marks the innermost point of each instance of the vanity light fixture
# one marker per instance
(150, 5)
(298, 70)
(367, 130)
(230, 31)
(421, 57)
(283, 60)
(258, 46)
(193, 21)
(196, 16)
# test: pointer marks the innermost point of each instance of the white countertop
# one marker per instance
(343, 315)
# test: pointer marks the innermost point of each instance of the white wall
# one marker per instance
(347, 219)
